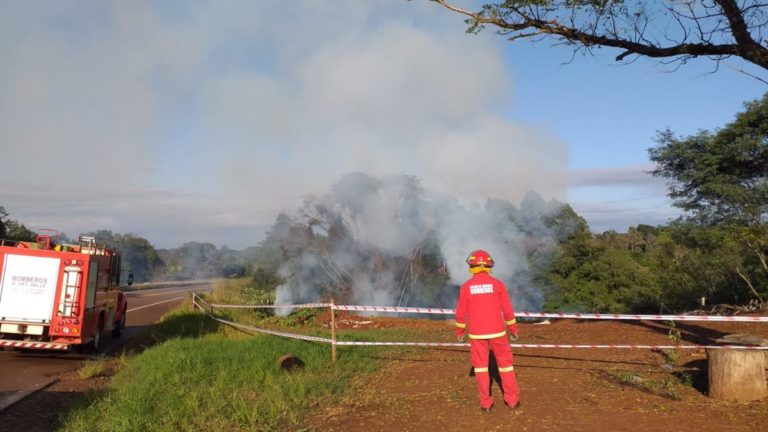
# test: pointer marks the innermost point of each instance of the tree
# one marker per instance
(721, 179)
(676, 31)
(3, 215)
(720, 176)
(602, 275)
(11, 229)
(139, 257)
(138, 254)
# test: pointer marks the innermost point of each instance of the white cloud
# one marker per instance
(638, 175)
(620, 197)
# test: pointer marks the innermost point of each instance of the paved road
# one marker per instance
(23, 372)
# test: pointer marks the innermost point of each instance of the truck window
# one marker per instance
(90, 294)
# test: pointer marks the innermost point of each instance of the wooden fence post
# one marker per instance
(333, 333)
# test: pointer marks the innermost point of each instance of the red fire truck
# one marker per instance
(55, 297)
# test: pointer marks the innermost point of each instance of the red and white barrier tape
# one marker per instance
(423, 344)
(463, 344)
(274, 333)
(294, 306)
(651, 347)
(562, 315)
(397, 309)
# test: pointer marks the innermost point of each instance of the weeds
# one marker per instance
(675, 338)
(664, 387)
(93, 368)
(686, 379)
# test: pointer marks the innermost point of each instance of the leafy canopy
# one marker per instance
(719, 176)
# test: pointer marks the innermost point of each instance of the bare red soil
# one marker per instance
(561, 389)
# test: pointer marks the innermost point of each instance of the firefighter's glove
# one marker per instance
(513, 337)
(461, 338)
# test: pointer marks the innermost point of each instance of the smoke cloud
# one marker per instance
(389, 241)
(202, 120)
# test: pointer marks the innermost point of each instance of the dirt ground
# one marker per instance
(560, 389)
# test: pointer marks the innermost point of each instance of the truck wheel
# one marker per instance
(93, 346)
(117, 330)
(96, 340)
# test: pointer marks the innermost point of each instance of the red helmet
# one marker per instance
(480, 258)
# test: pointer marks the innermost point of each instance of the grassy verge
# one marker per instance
(192, 374)
(92, 368)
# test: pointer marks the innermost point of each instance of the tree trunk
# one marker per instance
(737, 374)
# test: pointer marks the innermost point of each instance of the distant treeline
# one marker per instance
(647, 269)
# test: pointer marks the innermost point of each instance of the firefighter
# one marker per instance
(485, 314)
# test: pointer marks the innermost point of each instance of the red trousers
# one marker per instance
(479, 349)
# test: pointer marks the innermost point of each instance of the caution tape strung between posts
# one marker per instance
(463, 344)
(292, 306)
(272, 332)
(561, 315)
(397, 309)
(559, 346)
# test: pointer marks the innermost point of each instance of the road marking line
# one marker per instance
(154, 304)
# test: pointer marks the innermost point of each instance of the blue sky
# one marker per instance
(202, 121)
(609, 113)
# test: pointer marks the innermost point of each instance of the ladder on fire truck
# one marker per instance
(89, 246)
(69, 304)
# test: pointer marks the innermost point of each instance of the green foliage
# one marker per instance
(11, 229)
(594, 275)
(138, 254)
(719, 176)
(721, 179)
(265, 279)
(3, 215)
(242, 291)
(652, 269)
(195, 260)
(15, 230)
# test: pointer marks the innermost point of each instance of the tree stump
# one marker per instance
(289, 362)
(737, 375)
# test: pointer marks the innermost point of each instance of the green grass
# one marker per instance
(190, 373)
(216, 382)
(93, 368)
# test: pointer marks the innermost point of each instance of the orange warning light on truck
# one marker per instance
(55, 297)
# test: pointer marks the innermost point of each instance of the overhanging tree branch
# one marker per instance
(722, 28)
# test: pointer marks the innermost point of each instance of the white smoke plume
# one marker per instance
(389, 241)
(136, 115)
